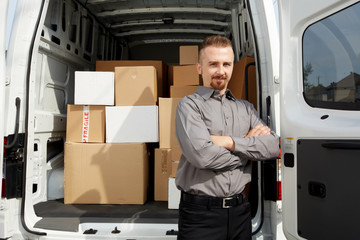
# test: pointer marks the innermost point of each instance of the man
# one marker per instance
(218, 136)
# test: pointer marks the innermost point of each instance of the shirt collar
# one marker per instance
(206, 93)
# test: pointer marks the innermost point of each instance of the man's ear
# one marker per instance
(198, 68)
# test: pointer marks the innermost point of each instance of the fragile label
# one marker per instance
(86, 124)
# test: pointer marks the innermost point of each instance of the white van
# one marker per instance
(307, 58)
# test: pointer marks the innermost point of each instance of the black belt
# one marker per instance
(213, 202)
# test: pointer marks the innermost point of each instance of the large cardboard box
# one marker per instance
(94, 88)
(162, 172)
(183, 75)
(135, 86)
(174, 195)
(181, 91)
(127, 124)
(102, 173)
(188, 55)
(161, 71)
(237, 83)
(167, 115)
(85, 123)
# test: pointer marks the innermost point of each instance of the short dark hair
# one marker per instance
(216, 41)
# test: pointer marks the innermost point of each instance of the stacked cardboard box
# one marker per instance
(184, 78)
(106, 155)
(169, 149)
(161, 71)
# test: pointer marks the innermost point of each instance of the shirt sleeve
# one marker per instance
(195, 141)
(260, 147)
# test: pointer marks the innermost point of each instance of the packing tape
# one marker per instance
(86, 124)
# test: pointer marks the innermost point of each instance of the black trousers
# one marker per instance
(200, 222)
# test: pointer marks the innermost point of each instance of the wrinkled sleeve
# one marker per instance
(257, 148)
(195, 141)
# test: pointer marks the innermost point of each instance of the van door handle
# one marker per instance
(342, 145)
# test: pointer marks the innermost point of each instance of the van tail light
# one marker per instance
(278, 190)
(3, 188)
(5, 143)
(3, 195)
(278, 182)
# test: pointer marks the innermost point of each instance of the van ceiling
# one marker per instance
(157, 21)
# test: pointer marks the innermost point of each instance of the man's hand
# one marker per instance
(228, 143)
(258, 130)
(224, 141)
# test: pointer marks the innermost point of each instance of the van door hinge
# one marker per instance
(172, 232)
(276, 79)
(90, 231)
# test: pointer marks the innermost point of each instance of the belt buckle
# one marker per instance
(224, 202)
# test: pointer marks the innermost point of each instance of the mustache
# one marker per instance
(221, 76)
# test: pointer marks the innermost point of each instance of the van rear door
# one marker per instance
(3, 34)
(320, 115)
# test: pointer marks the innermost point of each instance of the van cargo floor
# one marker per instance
(66, 217)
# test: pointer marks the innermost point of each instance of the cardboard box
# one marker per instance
(188, 55)
(167, 115)
(161, 71)
(237, 81)
(135, 86)
(174, 166)
(183, 75)
(162, 172)
(128, 124)
(182, 91)
(174, 195)
(94, 88)
(85, 123)
(102, 173)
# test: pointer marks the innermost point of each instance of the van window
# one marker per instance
(331, 61)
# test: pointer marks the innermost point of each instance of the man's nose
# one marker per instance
(221, 70)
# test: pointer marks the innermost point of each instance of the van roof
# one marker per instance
(157, 21)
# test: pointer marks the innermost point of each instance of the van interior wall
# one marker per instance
(71, 53)
(156, 51)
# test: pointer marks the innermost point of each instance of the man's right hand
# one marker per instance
(258, 130)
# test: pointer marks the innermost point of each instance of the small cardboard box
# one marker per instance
(181, 91)
(102, 173)
(188, 55)
(129, 124)
(162, 172)
(85, 123)
(135, 86)
(94, 88)
(161, 71)
(167, 115)
(237, 81)
(183, 75)
(174, 195)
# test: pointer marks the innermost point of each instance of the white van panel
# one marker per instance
(299, 120)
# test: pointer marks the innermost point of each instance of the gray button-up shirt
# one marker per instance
(206, 168)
